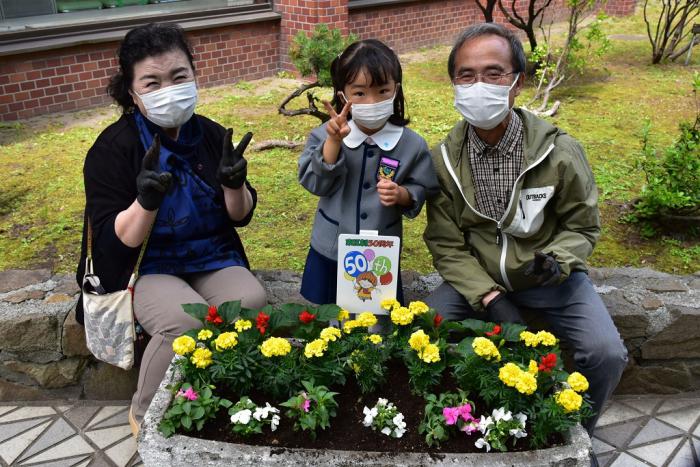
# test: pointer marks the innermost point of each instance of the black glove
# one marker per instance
(233, 167)
(544, 268)
(502, 310)
(150, 184)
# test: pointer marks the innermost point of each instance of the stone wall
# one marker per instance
(43, 353)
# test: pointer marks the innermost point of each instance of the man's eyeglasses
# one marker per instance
(489, 77)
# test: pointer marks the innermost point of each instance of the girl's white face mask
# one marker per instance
(372, 116)
(172, 106)
(483, 105)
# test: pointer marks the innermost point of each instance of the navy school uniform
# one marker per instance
(349, 201)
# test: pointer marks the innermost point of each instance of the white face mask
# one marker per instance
(483, 105)
(372, 116)
(172, 106)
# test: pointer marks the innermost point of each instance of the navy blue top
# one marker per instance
(192, 230)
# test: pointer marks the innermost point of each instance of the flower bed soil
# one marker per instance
(347, 431)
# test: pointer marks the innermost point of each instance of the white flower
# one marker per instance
(242, 417)
(398, 432)
(481, 443)
(369, 415)
(259, 413)
(382, 402)
(522, 418)
(501, 414)
(517, 432)
(484, 424)
(275, 421)
(386, 431)
(398, 420)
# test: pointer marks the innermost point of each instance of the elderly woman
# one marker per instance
(162, 166)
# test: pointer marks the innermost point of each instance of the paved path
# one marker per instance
(633, 431)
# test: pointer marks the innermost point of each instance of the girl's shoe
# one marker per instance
(135, 426)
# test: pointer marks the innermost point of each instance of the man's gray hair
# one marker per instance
(489, 29)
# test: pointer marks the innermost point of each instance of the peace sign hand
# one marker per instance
(152, 185)
(233, 168)
(337, 127)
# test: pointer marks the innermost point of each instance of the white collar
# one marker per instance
(387, 138)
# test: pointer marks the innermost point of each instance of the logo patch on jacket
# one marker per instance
(536, 196)
(387, 168)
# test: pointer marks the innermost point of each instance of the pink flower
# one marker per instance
(190, 394)
(451, 415)
(465, 411)
(306, 405)
(470, 427)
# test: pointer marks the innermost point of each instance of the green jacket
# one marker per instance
(553, 208)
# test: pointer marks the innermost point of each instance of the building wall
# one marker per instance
(72, 78)
(77, 77)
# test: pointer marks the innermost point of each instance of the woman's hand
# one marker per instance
(391, 193)
(337, 129)
(233, 168)
(152, 185)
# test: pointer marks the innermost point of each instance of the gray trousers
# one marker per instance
(576, 314)
(158, 300)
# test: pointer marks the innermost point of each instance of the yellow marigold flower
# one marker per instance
(275, 347)
(569, 399)
(401, 316)
(330, 334)
(204, 334)
(418, 307)
(350, 324)
(419, 340)
(509, 374)
(526, 383)
(430, 353)
(201, 357)
(343, 315)
(578, 382)
(226, 340)
(243, 325)
(367, 319)
(375, 339)
(184, 345)
(485, 348)
(315, 348)
(532, 368)
(529, 338)
(356, 368)
(546, 338)
(389, 304)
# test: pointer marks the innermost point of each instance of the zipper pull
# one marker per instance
(499, 235)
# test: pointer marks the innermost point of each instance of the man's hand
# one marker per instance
(502, 310)
(391, 193)
(337, 127)
(544, 268)
(152, 185)
(233, 168)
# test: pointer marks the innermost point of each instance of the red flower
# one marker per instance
(495, 331)
(213, 316)
(437, 320)
(262, 321)
(306, 317)
(547, 362)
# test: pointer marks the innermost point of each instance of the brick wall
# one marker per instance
(620, 7)
(74, 78)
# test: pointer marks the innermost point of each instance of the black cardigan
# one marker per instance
(110, 171)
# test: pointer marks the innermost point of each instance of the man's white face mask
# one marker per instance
(483, 105)
(172, 106)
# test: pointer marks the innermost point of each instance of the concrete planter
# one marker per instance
(155, 450)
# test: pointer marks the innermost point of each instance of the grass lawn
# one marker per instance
(42, 198)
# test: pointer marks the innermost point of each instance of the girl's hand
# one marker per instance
(337, 127)
(391, 193)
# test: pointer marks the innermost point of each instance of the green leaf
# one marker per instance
(186, 422)
(197, 413)
(187, 407)
(196, 310)
(476, 325)
(229, 311)
(327, 312)
(511, 331)
(465, 346)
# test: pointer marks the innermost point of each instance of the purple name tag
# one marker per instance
(387, 168)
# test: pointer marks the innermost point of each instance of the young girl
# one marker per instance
(368, 169)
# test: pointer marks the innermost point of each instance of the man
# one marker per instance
(517, 214)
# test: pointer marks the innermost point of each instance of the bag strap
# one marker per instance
(135, 273)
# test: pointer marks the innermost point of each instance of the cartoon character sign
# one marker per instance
(365, 283)
(367, 271)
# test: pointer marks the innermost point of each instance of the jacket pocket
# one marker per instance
(529, 215)
(324, 236)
